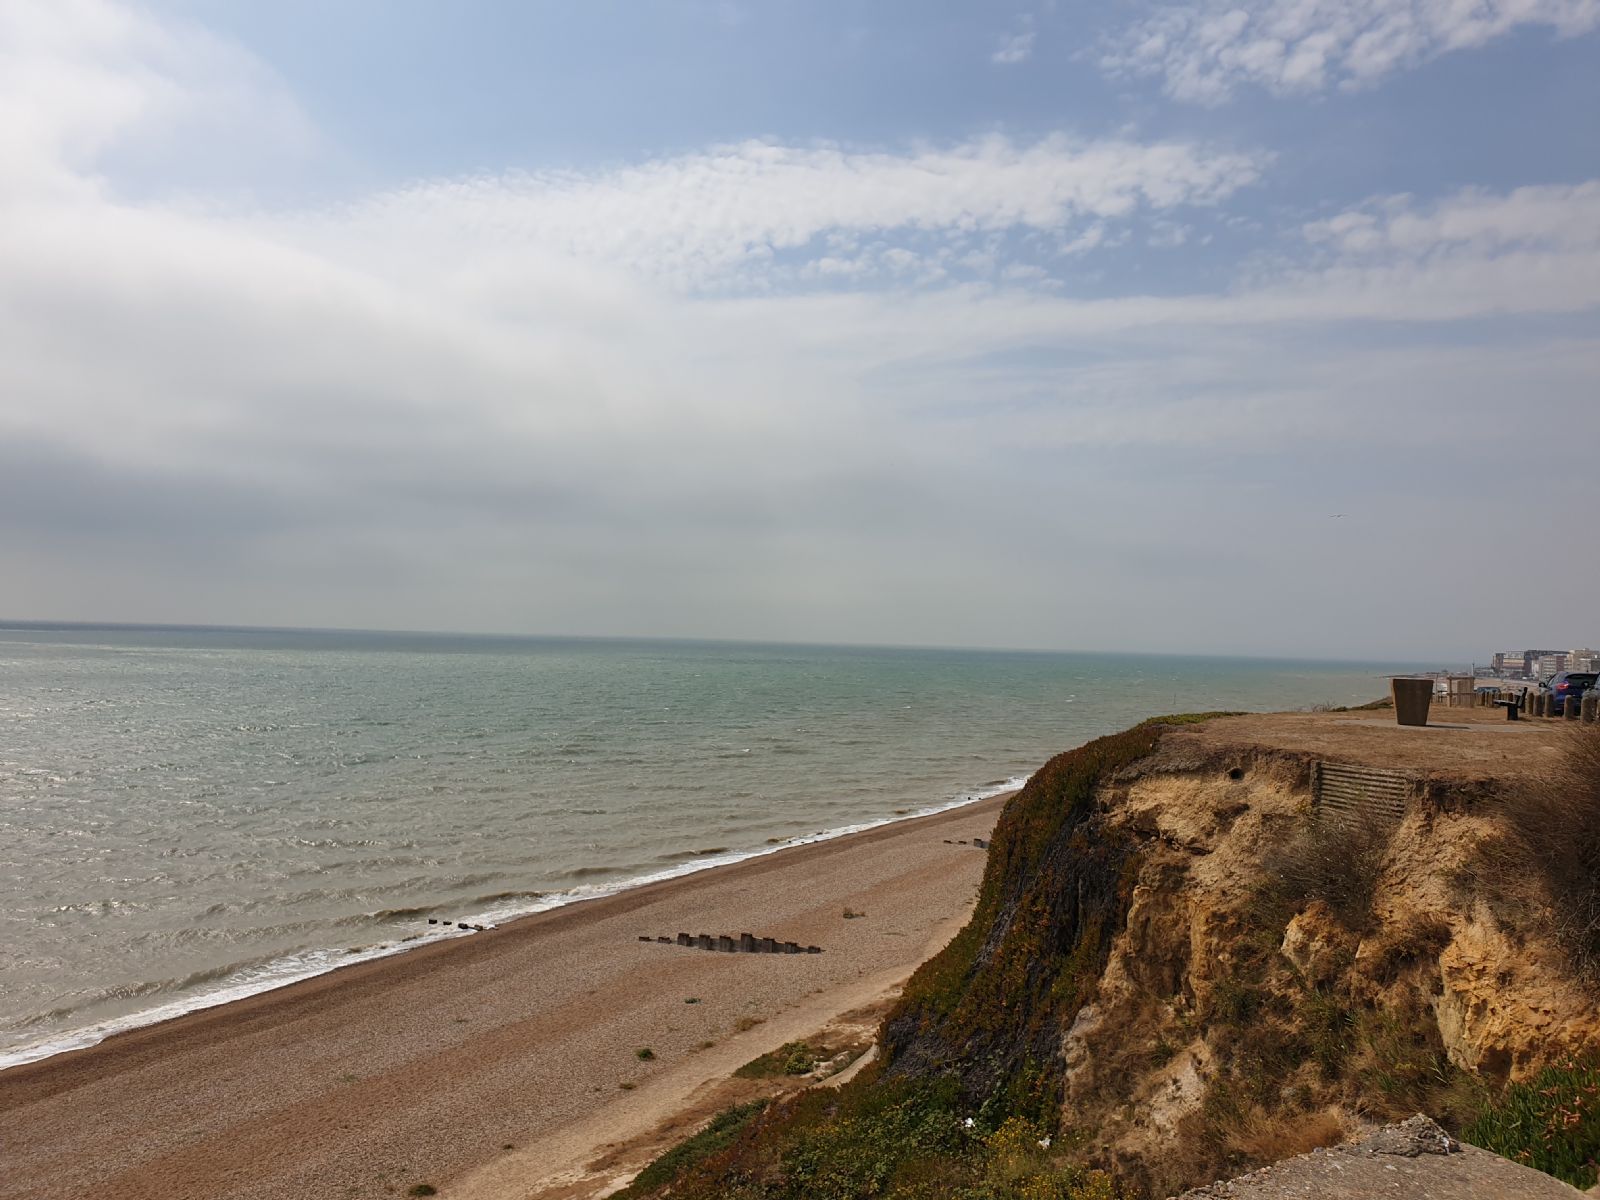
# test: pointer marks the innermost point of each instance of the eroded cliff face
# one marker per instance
(990, 1008)
(1278, 982)
(1176, 971)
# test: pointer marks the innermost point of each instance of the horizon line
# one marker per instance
(47, 624)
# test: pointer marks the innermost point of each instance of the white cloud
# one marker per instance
(1555, 217)
(723, 217)
(1017, 46)
(594, 402)
(1014, 48)
(79, 78)
(1206, 51)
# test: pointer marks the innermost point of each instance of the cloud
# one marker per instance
(1561, 218)
(743, 214)
(1470, 256)
(760, 389)
(1014, 48)
(85, 80)
(1205, 52)
(1017, 46)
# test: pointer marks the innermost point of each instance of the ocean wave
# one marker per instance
(237, 984)
(238, 980)
(503, 897)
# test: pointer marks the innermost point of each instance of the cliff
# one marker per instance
(1179, 968)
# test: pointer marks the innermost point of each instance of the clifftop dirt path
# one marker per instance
(1461, 742)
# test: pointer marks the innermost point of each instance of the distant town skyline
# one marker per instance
(1248, 328)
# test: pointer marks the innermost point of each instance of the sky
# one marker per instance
(1244, 327)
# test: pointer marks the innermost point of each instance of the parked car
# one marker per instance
(1569, 685)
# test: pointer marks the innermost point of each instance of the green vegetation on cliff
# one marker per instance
(1551, 1123)
(989, 1010)
(967, 1100)
(905, 1139)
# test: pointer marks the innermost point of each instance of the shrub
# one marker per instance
(1400, 1066)
(1551, 1123)
(1336, 861)
(898, 1139)
(1557, 820)
(1328, 1026)
(714, 1137)
(791, 1058)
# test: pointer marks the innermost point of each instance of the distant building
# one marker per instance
(1525, 664)
(1552, 663)
(1583, 660)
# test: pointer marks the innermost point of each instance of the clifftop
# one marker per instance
(1463, 746)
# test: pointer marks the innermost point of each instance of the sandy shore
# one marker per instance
(469, 1064)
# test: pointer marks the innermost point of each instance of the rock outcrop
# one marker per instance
(1414, 1160)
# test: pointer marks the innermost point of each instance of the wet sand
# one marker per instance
(458, 1063)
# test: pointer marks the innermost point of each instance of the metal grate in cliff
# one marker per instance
(1349, 792)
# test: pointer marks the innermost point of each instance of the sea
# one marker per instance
(192, 815)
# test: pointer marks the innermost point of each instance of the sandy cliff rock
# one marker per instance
(1231, 1027)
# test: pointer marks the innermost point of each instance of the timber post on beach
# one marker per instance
(745, 943)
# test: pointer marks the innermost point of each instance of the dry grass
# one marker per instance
(1337, 862)
(1272, 1137)
(1556, 819)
